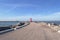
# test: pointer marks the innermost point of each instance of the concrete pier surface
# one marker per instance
(34, 31)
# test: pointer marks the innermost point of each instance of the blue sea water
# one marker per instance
(7, 23)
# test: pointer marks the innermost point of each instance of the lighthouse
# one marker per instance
(30, 19)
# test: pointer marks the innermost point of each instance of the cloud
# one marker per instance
(51, 17)
(15, 18)
(54, 15)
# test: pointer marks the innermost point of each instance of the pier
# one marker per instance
(33, 31)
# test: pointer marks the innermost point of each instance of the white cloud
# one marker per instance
(15, 18)
(54, 16)
(50, 17)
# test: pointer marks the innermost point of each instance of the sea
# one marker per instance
(7, 23)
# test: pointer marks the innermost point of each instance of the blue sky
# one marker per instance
(40, 10)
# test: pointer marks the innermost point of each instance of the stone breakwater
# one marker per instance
(23, 25)
(53, 26)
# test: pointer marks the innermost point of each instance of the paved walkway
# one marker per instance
(33, 31)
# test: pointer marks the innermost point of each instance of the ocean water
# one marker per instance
(7, 23)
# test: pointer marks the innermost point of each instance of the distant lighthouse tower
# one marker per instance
(30, 19)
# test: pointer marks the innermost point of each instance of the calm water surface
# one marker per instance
(7, 23)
